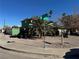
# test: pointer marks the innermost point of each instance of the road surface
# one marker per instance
(4, 54)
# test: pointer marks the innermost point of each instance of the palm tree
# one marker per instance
(39, 26)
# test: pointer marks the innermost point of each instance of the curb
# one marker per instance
(30, 52)
(20, 51)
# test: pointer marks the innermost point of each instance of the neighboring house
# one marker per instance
(61, 31)
(0, 30)
(77, 32)
(3, 30)
(28, 22)
(25, 22)
(15, 31)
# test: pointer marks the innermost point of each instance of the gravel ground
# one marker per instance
(50, 42)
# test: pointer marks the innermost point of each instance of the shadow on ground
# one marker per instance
(72, 54)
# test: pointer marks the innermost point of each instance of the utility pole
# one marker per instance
(43, 16)
(44, 34)
(3, 28)
(4, 23)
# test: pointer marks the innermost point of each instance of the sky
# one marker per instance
(14, 11)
